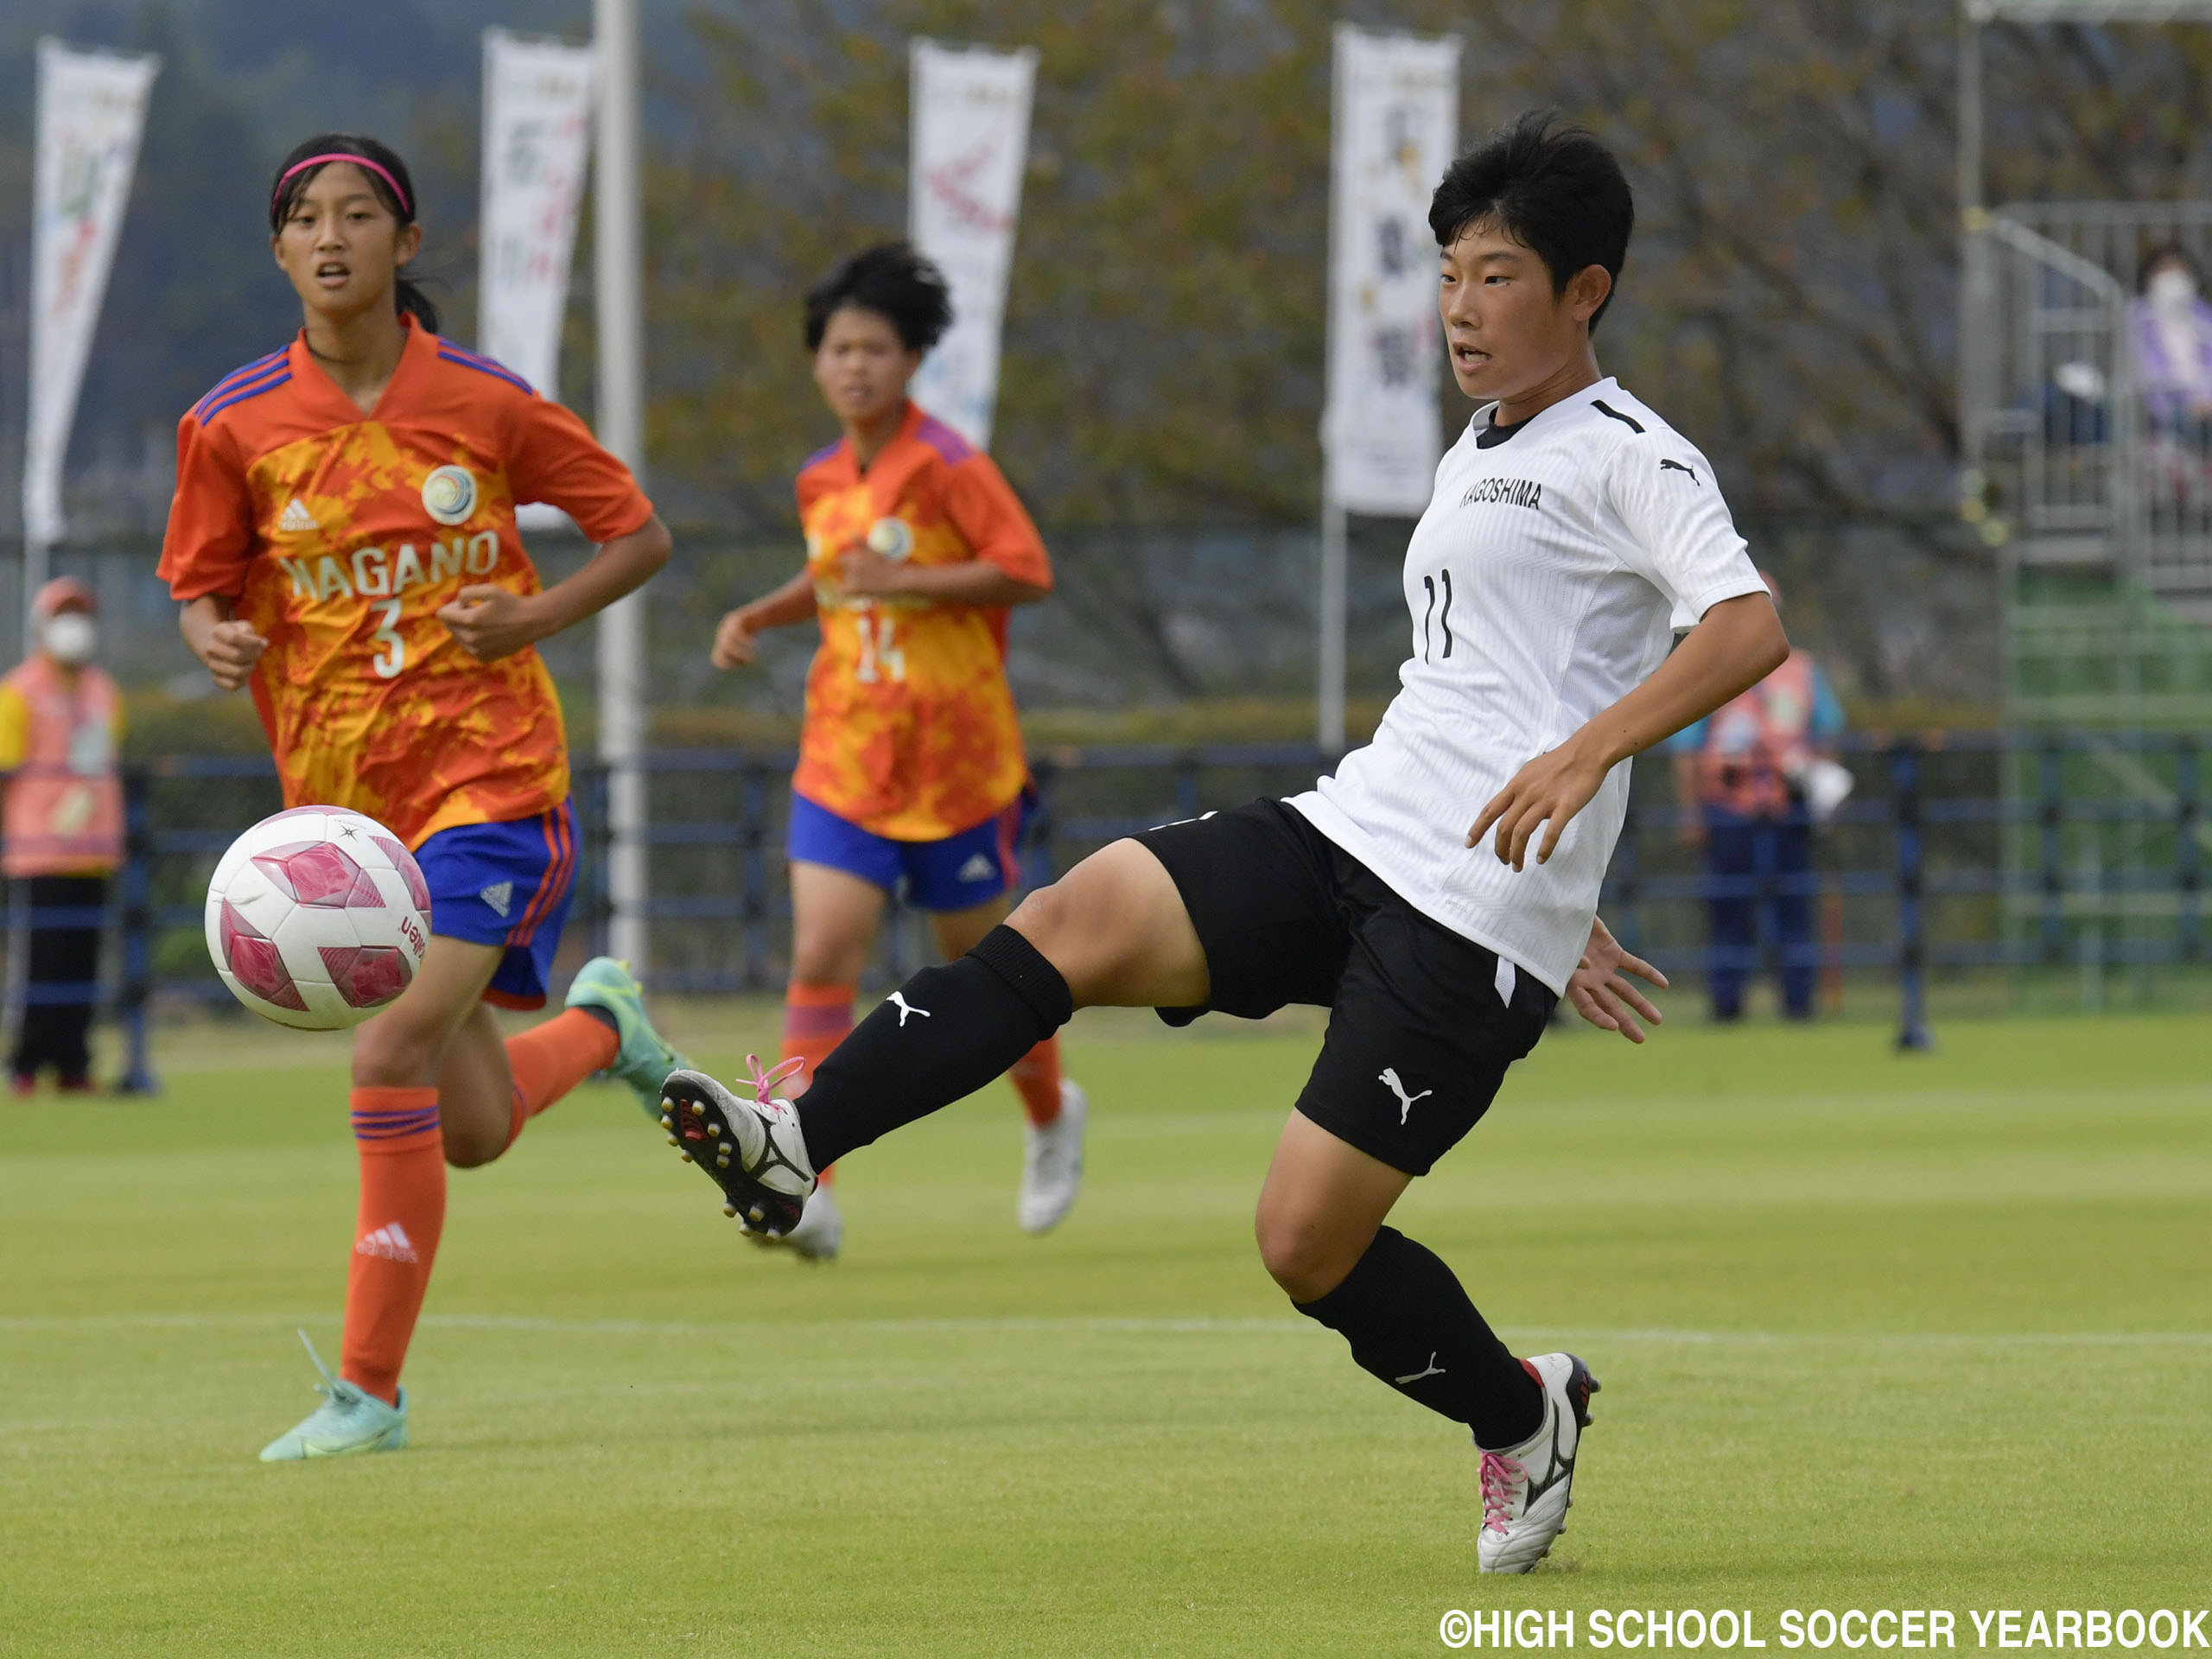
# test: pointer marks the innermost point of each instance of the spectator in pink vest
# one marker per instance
(1741, 772)
(61, 725)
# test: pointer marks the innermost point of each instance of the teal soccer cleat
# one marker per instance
(351, 1420)
(643, 1059)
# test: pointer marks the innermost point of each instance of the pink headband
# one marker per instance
(344, 156)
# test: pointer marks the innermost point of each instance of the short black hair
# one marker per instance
(1555, 190)
(892, 278)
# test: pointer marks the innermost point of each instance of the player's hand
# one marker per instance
(229, 651)
(1602, 995)
(735, 643)
(1549, 790)
(866, 573)
(491, 622)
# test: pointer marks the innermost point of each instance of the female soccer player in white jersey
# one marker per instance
(1439, 893)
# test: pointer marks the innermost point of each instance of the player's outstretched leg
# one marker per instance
(1112, 931)
(944, 1034)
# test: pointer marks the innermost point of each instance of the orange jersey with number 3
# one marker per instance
(338, 536)
(910, 729)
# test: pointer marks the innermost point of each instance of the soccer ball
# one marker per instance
(317, 918)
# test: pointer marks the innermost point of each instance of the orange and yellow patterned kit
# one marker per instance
(910, 731)
(339, 535)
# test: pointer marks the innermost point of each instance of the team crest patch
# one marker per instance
(500, 895)
(893, 538)
(449, 494)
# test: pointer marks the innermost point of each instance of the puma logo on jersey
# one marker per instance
(1434, 1370)
(1676, 465)
(296, 516)
(979, 867)
(500, 895)
(1513, 492)
(905, 1008)
(1390, 1078)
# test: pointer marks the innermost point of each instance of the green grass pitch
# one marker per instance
(1874, 1331)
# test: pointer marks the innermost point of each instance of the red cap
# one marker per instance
(63, 590)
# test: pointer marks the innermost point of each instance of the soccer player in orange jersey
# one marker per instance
(911, 768)
(343, 540)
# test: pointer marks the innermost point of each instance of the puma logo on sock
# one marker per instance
(906, 1007)
(1434, 1370)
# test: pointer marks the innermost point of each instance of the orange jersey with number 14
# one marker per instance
(338, 536)
(910, 728)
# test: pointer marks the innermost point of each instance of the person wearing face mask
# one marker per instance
(60, 726)
(2173, 345)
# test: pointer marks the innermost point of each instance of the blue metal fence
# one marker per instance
(1983, 849)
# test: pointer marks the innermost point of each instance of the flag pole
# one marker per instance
(621, 427)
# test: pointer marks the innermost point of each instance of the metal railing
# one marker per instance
(2077, 852)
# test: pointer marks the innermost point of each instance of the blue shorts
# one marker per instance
(506, 884)
(959, 873)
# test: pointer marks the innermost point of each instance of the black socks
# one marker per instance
(1410, 1324)
(939, 1037)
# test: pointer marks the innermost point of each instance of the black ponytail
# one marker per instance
(388, 179)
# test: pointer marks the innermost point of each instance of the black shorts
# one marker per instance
(1418, 1038)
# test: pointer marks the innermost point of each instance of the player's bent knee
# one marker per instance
(468, 1148)
(1297, 1254)
(391, 1055)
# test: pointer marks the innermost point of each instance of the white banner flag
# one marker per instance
(92, 108)
(1395, 128)
(537, 115)
(970, 144)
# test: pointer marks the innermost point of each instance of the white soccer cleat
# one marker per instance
(1051, 1163)
(1525, 1487)
(820, 1233)
(753, 1149)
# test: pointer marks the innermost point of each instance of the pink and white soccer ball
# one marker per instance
(317, 918)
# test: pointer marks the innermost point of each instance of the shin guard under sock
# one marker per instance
(403, 1211)
(1410, 1322)
(942, 1035)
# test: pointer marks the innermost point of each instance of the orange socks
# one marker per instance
(549, 1060)
(402, 1212)
(816, 1020)
(1036, 1078)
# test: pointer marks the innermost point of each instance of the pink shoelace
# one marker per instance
(765, 1081)
(1503, 1478)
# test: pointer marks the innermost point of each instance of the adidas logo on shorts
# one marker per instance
(297, 517)
(500, 895)
(391, 1241)
(979, 866)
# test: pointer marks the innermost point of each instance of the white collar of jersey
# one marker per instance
(1484, 422)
